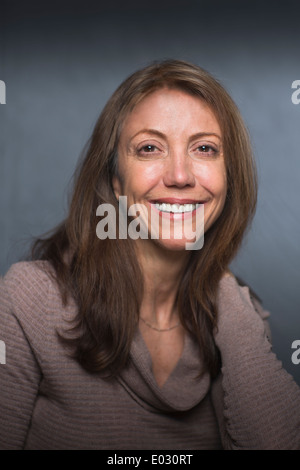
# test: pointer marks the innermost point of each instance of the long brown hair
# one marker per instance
(103, 276)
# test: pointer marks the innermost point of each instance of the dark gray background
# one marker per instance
(62, 60)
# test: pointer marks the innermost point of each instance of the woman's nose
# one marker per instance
(179, 170)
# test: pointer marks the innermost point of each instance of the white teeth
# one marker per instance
(175, 208)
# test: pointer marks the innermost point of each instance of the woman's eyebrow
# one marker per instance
(205, 134)
(149, 131)
(162, 135)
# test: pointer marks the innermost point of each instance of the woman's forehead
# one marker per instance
(172, 109)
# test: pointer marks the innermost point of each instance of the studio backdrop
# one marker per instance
(61, 61)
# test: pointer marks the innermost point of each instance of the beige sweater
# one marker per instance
(47, 401)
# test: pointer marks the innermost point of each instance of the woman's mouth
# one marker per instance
(180, 206)
(175, 208)
(177, 218)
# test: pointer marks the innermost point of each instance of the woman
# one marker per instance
(136, 342)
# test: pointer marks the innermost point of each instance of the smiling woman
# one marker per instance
(173, 141)
(137, 342)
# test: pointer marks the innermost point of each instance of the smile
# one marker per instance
(175, 208)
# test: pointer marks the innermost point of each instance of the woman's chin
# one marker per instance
(173, 244)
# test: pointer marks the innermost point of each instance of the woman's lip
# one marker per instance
(176, 215)
(171, 200)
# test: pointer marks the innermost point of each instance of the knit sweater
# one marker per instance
(48, 401)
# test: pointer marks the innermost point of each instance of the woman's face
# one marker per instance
(170, 158)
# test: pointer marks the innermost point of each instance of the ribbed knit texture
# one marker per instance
(47, 401)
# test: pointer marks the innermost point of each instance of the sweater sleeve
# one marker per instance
(259, 403)
(21, 294)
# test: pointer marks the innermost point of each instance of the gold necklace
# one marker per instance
(159, 329)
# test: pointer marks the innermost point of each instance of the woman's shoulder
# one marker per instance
(233, 291)
(22, 269)
(233, 287)
(29, 287)
(30, 277)
(32, 310)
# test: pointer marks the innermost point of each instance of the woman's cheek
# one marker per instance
(212, 177)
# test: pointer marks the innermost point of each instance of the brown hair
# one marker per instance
(103, 276)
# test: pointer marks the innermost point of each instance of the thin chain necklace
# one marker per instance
(159, 329)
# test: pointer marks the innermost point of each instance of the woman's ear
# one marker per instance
(116, 184)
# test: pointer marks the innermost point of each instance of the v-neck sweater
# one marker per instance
(48, 401)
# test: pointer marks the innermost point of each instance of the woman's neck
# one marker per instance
(162, 270)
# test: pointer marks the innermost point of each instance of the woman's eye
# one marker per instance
(148, 148)
(205, 150)
(150, 151)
